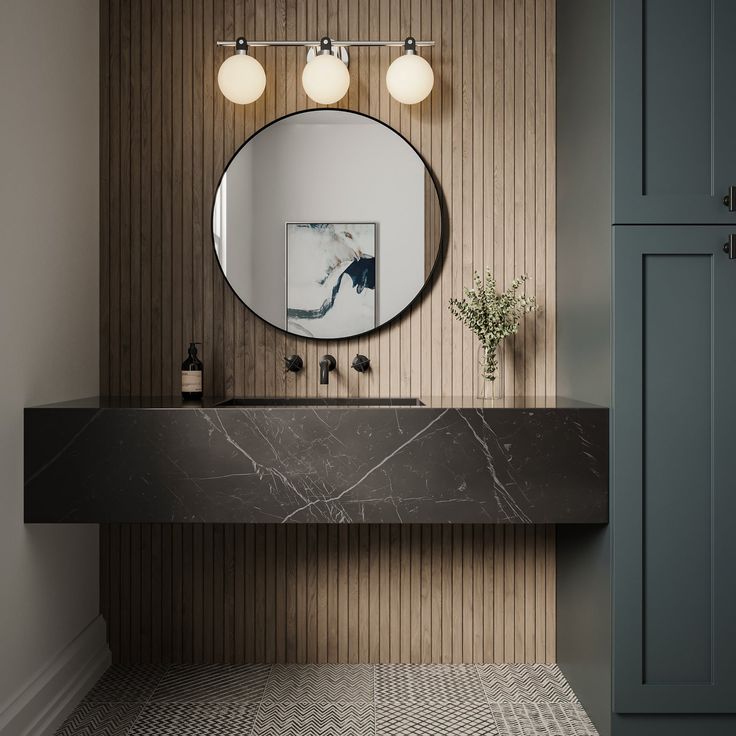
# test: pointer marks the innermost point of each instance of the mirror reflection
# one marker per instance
(327, 223)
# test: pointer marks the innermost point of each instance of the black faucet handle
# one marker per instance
(294, 363)
(361, 363)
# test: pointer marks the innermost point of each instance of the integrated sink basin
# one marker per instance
(318, 401)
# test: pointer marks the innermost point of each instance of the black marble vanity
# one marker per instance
(432, 461)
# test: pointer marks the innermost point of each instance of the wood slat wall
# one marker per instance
(329, 593)
(487, 130)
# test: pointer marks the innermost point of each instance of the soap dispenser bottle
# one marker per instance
(191, 374)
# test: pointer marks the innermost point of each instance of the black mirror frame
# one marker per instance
(441, 249)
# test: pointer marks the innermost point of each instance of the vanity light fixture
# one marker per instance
(325, 77)
(410, 77)
(241, 77)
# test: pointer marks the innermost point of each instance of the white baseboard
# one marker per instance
(41, 706)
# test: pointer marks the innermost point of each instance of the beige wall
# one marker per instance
(49, 314)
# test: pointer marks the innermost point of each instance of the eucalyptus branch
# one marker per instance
(491, 315)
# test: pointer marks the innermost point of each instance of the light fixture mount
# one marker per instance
(241, 45)
(410, 45)
(318, 44)
(328, 46)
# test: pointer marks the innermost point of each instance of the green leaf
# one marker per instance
(491, 315)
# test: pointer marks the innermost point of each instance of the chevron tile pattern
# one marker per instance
(132, 684)
(525, 683)
(213, 684)
(331, 700)
(195, 719)
(428, 682)
(101, 719)
(311, 719)
(541, 719)
(320, 683)
(434, 719)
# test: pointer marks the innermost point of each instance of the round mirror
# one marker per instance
(327, 223)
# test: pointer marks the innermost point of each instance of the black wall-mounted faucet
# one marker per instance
(327, 363)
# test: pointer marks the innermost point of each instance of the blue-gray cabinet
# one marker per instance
(646, 153)
(674, 111)
(674, 470)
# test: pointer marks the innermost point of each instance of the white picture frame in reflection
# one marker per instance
(330, 278)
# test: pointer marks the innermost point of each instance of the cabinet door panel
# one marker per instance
(674, 110)
(674, 471)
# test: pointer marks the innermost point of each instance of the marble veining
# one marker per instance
(316, 464)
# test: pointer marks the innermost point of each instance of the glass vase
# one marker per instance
(490, 373)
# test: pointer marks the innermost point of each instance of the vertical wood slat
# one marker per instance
(233, 593)
(342, 594)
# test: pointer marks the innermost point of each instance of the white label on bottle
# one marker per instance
(191, 381)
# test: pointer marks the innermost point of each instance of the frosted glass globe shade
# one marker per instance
(241, 79)
(326, 79)
(409, 79)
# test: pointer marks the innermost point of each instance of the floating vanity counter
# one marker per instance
(521, 461)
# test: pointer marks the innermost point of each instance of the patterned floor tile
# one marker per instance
(345, 700)
(434, 719)
(213, 684)
(525, 683)
(310, 719)
(320, 683)
(195, 719)
(541, 719)
(122, 683)
(428, 682)
(100, 719)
